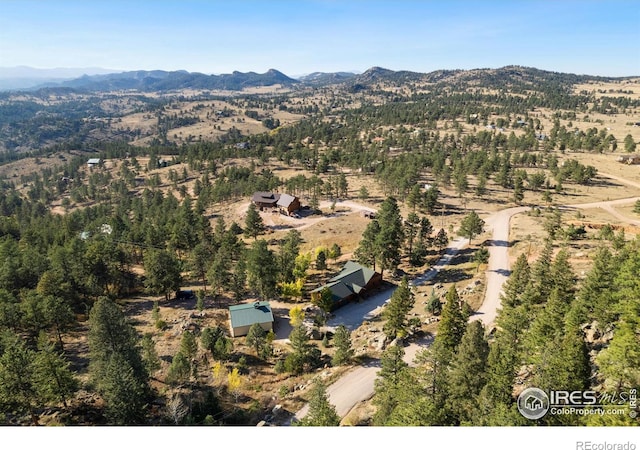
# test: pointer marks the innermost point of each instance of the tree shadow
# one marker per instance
(453, 275)
(503, 272)
(497, 243)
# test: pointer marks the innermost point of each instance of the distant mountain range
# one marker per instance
(142, 80)
(23, 77)
(95, 79)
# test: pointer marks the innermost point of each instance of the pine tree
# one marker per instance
(538, 290)
(325, 302)
(149, 354)
(262, 269)
(162, 272)
(395, 312)
(256, 337)
(501, 372)
(470, 358)
(471, 225)
(388, 241)
(413, 199)
(116, 364)
(619, 363)
(411, 229)
(342, 342)
(180, 369)
(289, 249)
(123, 392)
(54, 379)
(18, 388)
(321, 260)
(305, 355)
(516, 283)
(367, 251)
(253, 223)
(388, 382)
(321, 412)
(452, 324)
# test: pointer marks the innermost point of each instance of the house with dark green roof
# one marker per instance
(241, 317)
(353, 282)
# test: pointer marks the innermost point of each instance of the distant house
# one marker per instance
(354, 281)
(241, 317)
(368, 214)
(288, 203)
(629, 159)
(265, 199)
(93, 162)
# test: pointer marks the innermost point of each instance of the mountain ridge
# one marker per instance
(164, 80)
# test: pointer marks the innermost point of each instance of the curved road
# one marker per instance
(357, 385)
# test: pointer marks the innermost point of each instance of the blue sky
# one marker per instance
(298, 37)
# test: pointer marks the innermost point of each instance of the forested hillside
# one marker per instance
(115, 279)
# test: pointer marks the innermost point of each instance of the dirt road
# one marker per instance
(358, 384)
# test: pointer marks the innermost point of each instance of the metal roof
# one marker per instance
(285, 200)
(250, 313)
(351, 280)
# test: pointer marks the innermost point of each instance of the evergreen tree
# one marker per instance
(500, 372)
(18, 386)
(395, 312)
(289, 249)
(162, 272)
(388, 383)
(411, 229)
(262, 269)
(629, 144)
(471, 225)
(180, 369)
(215, 340)
(149, 354)
(441, 240)
(253, 223)
(198, 263)
(452, 324)
(389, 239)
(305, 355)
(123, 392)
(516, 283)
(256, 337)
(538, 290)
(325, 302)
(188, 345)
(321, 260)
(430, 199)
(470, 358)
(116, 364)
(367, 251)
(54, 379)
(414, 197)
(321, 412)
(218, 273)
(342, 342)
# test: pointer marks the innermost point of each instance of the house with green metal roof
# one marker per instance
(241, 317)
(353, 282)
